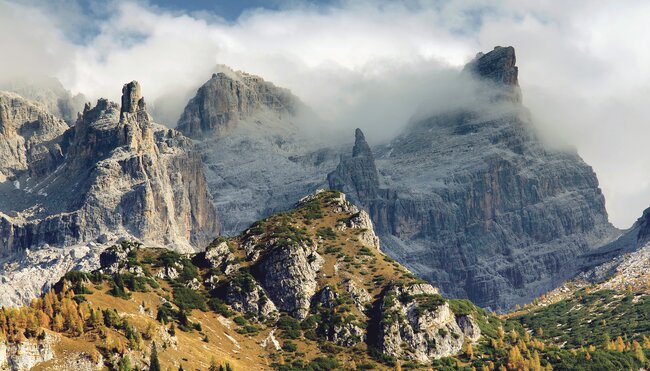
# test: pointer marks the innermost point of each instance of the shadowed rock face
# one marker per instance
(357, 174)
(499, 70)
(117, 174)
(475, 203)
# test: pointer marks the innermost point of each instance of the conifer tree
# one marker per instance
(154, 364)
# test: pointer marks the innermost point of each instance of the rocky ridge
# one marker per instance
(473, 201)
(289, 265)
(114, 173)
(49, 93)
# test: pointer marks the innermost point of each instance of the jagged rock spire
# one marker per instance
(357, 176)
(361, 147)
(131, 98)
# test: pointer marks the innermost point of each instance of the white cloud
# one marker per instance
(584, 65)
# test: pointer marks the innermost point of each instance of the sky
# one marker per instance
(584, 64)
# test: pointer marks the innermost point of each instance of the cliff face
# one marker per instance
(475, 203)
(30, 138)
(257, 156)
(114, 173)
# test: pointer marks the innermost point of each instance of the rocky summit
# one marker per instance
(473, 201)
(114, 174)
(254, 142)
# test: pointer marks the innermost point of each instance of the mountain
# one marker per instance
(255, 141)
(114, 174)
(307, 288)
(473, 201)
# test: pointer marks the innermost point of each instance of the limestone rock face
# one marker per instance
(417, 324)
(229, 97)
(288, 274)
(258, 154)
(245, 295)
(30, 139)
(26, 355)
(357, 175)
(114, 173)
(499, 68)
(49, 93)
(474, 202)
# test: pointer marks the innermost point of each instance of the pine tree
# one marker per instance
(125, 364)
(154, 364)
(213, 365)
(638, 352)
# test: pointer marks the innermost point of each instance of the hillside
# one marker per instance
(307, 289)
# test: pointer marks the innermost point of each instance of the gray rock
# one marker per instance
(49, 93)
(258, 154)
(412, 330)
(245, 295)
(111, 176)
(25, 355)
(474, 202)
(229, 97)
(288, 274)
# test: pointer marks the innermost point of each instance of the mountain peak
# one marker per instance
(498, 65)
(230, 97)
(131, 98)
(361, 147)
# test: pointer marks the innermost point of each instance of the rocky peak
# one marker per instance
(118, 174)
(229, 97)
(131, 99)
(499, 67)
(357, 175)
(361, 147)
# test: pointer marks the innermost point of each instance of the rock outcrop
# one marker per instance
(357, 175)
(289, 275)
(258, 153)
(417, 324)
(24, 356)
(311, 264)
(474, 202)
(30, 139)
(114, 173)
(49, 93)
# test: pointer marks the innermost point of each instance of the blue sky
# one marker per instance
(228, 9)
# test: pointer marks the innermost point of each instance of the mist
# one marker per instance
(584, 72)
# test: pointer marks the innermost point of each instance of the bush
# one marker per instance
(188, 299)
(289, 346)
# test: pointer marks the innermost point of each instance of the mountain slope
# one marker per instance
(473, 201)
(305, 288)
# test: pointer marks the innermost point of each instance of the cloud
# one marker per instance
(584, 65)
